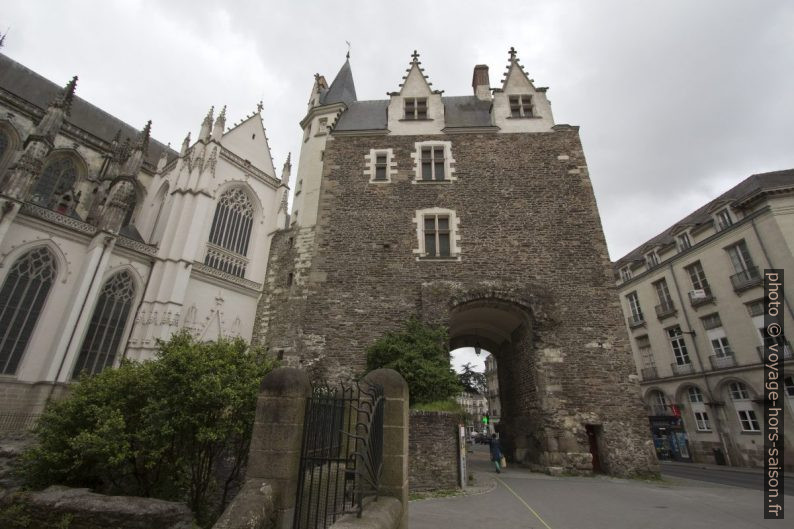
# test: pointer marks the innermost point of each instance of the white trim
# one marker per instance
(449, 162)
(454, 234)
(369, 165)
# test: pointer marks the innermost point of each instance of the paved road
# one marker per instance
(525, 500)
(724, 476)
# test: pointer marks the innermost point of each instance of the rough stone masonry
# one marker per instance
(533, 257)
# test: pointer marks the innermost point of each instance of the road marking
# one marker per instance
(519, 498)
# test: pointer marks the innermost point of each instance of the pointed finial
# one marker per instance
(348, 49)
(222, 115)
(64, 99)
(185, 145)
(259, 106)
(512, 53)
(143, 138)
(415, 57)
(117, 137)
(208, 119)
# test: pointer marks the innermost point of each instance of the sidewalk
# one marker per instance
(527, 500)
(707, 466)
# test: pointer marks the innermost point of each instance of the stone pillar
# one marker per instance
(394, 480)
(271, 478)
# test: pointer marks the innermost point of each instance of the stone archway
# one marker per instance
(505, 329)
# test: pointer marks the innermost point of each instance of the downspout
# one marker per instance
(709, 391)
(768, 260)
(105, 245)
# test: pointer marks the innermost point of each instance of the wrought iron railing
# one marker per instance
(649, 373)
(681, 369)
(665, 309)
(722, 362)
(341, 455)
(788, 352)
(746, 278)
(635, 320)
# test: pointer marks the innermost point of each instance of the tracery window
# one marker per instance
(106, 330)
(231, 233)
(22, 297)
(58, 177)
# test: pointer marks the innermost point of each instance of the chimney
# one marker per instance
(480, 82)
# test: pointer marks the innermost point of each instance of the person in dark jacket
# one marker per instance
(496, 453)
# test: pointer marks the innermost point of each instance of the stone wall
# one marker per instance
(433, 451)
(530, 239)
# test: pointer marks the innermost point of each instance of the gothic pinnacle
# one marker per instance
(143, 138)
(208, 119)
(64, 99)
(185, 145)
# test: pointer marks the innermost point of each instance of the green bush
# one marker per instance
(177, 427)
(420, 353)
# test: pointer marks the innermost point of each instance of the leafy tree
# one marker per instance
(420, 353)
(177, 427)
(471, 380)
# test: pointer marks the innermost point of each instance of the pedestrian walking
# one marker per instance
(496, 453)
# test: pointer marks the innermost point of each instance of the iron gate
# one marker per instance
(341, 454)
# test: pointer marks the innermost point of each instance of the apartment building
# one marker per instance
(694, 303)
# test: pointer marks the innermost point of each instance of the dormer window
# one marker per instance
(652, 259)
(724, 220)
(625, 273)
(683, 242)
(521, 106)
(415, 108)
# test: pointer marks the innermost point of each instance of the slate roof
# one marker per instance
(460, 111)
(748, 187)
(35, 89)
(342, 90)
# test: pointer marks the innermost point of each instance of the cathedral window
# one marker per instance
(231, 233)
(380, 165)
(521, 106)
(434, 162)
(415, 108)
(22, 298)
(58, 177)
(437, 232)
(105, 333)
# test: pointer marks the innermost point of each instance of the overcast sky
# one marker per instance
(677, 100)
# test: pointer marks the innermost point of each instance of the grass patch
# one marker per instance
(430, 494)
(439, 405)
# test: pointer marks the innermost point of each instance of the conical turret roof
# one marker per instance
(342, 90)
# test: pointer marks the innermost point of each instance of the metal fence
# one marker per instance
(341, 455)
(17, 422)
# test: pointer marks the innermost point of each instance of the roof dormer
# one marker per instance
(519, 106)
(416, 108)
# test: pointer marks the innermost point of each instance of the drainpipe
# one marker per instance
(105, 245)
(709, 391)
(769, 261)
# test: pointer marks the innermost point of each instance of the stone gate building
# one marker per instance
(475, 212)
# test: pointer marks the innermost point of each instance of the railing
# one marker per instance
(225, 261)
(18, 422)
(649, 373)
(342, 453)
(788, 353)
(666, 309)
(746, 279)
(722, 362)
(699, 300)
(681, 369)
(635, 320)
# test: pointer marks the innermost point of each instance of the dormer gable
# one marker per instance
(248, 140)
(416, 108)
(519, 106)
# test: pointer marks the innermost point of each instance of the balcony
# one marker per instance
(746, 279)
(682, 369)
(636, 321)
(700, 297)
(788, 353)
(665, 310)
(722, 362)
(649, 373)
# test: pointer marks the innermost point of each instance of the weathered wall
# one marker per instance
(530, 236)
(433, 450)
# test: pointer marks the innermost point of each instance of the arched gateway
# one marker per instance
(474, 212)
